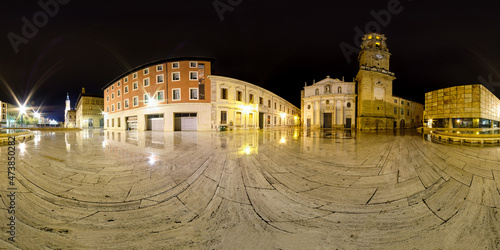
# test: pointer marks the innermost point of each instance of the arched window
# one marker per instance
(340, 90)
(327, 89)
(317, 92)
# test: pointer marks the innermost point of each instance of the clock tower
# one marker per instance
(374, 83)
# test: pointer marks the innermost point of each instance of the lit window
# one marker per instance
(176, 76)
(159, 68)
(176, 94)
(146, 71)
(261, 101)
(193, 64)
(160, 79)
(136, 86)
(193, 75)
(175, 65)
(193, 94)
(251, 98)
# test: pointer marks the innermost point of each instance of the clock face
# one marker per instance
(379, 56)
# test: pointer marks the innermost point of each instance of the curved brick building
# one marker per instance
(178, 95)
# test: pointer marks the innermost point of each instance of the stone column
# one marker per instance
(450, 123)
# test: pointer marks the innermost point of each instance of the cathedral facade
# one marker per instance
(367, 103)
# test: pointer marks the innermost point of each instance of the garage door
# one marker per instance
(155, 122)
(186, 122)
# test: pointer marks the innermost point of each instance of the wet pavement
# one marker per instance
(271, 189)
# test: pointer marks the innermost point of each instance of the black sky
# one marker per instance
(278, 45)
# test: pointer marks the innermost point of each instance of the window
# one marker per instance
(395, 101)
(193, 94)
(238, 96)
(348, 105)
(238, 118)
(402, 111)
(146, 71)
(340, 90)
(119, 105)
(268, 120)
(269, 103)
(407, 112)
(119, 92)
(146, 98)
(112, 108)
(112, 96)
(275, 105)
(134, 75)
(402, 103)
(135, 101)
(175, 65)
(160, 79)
(176, 76)
(261, 101)
(126, 79)
(160, 96)
(193, 64)
(118, 83)
(223, 94)
(126, 89)
(107, 98)
(193, 75)
(223, 117)
(408, 104)
(395, 111)
(107, 90)
(107, 109)
(176, 94)
(112, 87)
(159, 68)
(125, 103)
(280, 107)
(251, 98)
(136, 86)
(146, 82)
(250, 118)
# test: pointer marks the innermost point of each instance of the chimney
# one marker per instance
(83, 90)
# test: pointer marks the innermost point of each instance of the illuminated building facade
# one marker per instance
(469, 106)
(330, 103)
(89, 111)
(181, 94)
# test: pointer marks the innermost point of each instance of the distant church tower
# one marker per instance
(374, 83)
(68, 106)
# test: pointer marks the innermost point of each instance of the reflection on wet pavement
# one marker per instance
(290, 189)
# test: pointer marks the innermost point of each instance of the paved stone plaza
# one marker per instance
(272, 189)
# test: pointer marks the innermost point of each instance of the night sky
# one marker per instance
(277, 45)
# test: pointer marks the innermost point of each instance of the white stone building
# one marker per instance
(330, 103)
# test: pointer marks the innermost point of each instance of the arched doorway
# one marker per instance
(91, 123)
(402, 124)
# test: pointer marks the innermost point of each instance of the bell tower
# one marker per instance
(68, 105)
(374, 83)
